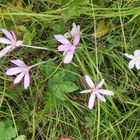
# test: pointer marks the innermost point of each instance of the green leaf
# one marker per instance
(59, 86)
(6, 133)
(21, 137)
(10, 133)
(2, 130)
(49, 67)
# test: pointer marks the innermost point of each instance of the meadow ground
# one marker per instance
(52, 107)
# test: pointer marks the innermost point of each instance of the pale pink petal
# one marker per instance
(100, 84)
(137, 53)
(26, 80)
(76, 40)
(13, 71)
(129, 56)
(101, 97)
(105, 92)
(5, 41)
(74, 26)
(75, 30)
(5, 50)
(19, 43)
(18, 62)
(19, 77)
(3, 53)
(91, 101)
(63, 48)
(13, 35)
(68, 57)
(62, 39)
(89, 81)
(137, 66)
(86, 91)
(131, 64)
(8, 34)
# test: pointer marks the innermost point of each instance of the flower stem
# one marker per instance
(43, 62)
(35, 47)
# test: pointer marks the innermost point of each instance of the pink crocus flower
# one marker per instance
(12, 42)
(74, 31)
(65, 138)
(96, 91)
(135, 59)
(23, 70)
(67, 47)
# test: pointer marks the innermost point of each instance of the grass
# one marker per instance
(45, 111)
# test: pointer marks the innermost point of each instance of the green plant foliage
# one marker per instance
(59, 87)
(52, 106)
(21, 137)
(49, 68)
(6, 132)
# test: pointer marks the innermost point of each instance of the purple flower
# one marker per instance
(75, 30)
(12, 42)
(135, 59)
(96, 91)
(22, 70)
(67, 47)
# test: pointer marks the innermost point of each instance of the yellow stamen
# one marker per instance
(137, 58)
(94, 90)
(24, 69)
(14, 43)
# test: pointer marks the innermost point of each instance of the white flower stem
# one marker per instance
(43, 62)
(35, 47)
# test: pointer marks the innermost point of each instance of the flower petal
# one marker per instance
(129, 56)
(19, 43)
(68, 57)
(19, 77)
(91, 101)
(5, 41)
(74, 26)
(137, 66)
(89, 81)
(105, 92)
(76, 40)
(13, 71)
(86, 91)
(137, 53)
(5, 50)
(100, 84)
(18, 62)
(8, 34)
(131, 64)
(63, 48)
(101, 97)
(26, 80)
(75, 30)
(13, 35)
(62, 39)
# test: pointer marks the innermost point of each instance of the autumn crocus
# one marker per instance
(11, 42)
(65, 138)
(67, 47)
(22, 70)
(74, 31)
(96, 91)
(135, 59)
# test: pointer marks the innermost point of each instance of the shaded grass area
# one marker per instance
(45, 111)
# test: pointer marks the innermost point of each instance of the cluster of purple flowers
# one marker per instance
(68, 48)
